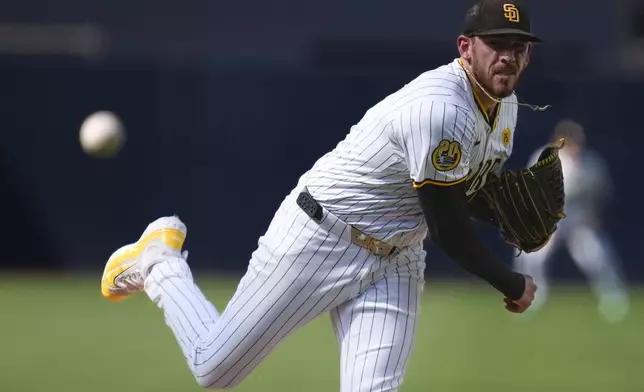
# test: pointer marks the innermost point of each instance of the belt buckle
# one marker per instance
(375, 246)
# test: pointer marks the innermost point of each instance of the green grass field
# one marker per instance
(63, 336)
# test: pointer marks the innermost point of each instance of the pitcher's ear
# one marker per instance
(464, 44)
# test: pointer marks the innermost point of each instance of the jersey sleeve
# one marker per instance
(436, 140)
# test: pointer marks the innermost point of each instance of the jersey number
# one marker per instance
(479, 178)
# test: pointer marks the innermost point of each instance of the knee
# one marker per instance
(206, 383)
(380, 384)
(215, 373)
(213, 383)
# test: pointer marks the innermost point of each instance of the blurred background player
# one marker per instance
(588, 189)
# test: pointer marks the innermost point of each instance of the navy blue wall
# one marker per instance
(215, 122)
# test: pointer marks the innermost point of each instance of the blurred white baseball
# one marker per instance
(102, 134)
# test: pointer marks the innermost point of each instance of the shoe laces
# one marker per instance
(130, 281)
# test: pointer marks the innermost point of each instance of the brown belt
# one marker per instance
(315, 211)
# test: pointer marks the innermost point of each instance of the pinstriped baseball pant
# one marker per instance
(300, 270)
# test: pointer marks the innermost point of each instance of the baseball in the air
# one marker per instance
(102, 134)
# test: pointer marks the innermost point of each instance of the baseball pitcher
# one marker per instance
(348, 239)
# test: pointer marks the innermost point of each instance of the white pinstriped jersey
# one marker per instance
(432, 130)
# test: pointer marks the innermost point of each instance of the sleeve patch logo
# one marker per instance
(447, 155)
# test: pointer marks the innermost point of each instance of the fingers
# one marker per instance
(514, 306)
(523, 303)
(511, 306)
(520, 305)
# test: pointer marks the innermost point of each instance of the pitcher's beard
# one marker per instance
(471, 73)
(499, 91)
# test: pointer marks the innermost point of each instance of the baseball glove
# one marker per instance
(525, 205)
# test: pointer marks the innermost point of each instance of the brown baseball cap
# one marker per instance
(499, 17)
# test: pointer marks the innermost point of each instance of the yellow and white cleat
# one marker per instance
(128, 267)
